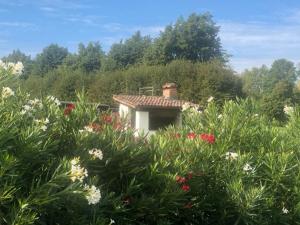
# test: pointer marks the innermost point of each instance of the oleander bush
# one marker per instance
(71, 165)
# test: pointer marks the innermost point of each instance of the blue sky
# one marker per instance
(254, 32)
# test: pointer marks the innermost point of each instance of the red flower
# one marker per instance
(69, 109)
(188, 205)
(185, 187)
(210, 138)
(107, 118)
(71, 106)
(180, 180)
(96, 126)
(189, 175)
(191, 136)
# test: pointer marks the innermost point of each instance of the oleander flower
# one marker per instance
(35, 103)
(54, 100)
(185, 187)
(210, 138)
(77, 172)
(96, 153)
(7, 92)
(93, 194)
(288, 109)
(231, 156)
(210, 99)
(191, 135)
(220, 116)
(42, 123)
(18, 68)
(180, 180)
(247, 168)
(285, 210)
(14, 68)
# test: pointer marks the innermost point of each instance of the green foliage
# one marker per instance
(130, 52)
(51, 57)
(194, 39)
(169, 178)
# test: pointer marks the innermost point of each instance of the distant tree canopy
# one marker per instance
(194, 39)
(50, 58)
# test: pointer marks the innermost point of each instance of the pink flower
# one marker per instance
(191, 136)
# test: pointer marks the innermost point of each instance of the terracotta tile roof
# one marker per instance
(143, 101)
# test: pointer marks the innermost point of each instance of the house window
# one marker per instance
(159, 119)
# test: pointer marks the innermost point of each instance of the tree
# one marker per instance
(90, 56)
(281, 70)
(194, 39)
(274, 102)
(130, 52)
(51, 57)
(253, 81)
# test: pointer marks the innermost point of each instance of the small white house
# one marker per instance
(146, 114)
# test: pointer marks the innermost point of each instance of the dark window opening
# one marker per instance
(159, 119)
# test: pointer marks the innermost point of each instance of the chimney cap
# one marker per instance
(169, 85)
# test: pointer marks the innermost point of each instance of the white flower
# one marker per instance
(210, 99)
(54, 100)
(77, 172)
(247, 168)
(42, 123)
(231, 156)
(88, 129)
(36, 103)
(285, 210)
(220, 116)
(7, 92)
(93, 194)
(96, 153)
(112, 222)
(288, 109)
(256, 115)
(18, 68)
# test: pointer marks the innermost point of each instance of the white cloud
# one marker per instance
(256, 43)
(16, 24)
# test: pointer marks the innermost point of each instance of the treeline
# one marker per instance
(188, 52)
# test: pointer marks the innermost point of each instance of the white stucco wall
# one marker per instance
(124, 111)
(141, 122)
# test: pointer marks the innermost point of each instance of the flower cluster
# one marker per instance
(70, 107)
(288, 110)
(77, 172)
(42, 123)
(15, 68)
(7, 92)
(248, 168)
(231, 156)
(209, 138)
(54, 100)
(31, 106)
(190, 107)
(183, 181)
(93, 194)
(96, 153)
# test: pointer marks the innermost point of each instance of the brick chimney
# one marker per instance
(170, 90)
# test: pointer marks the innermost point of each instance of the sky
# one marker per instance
(253, 32)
